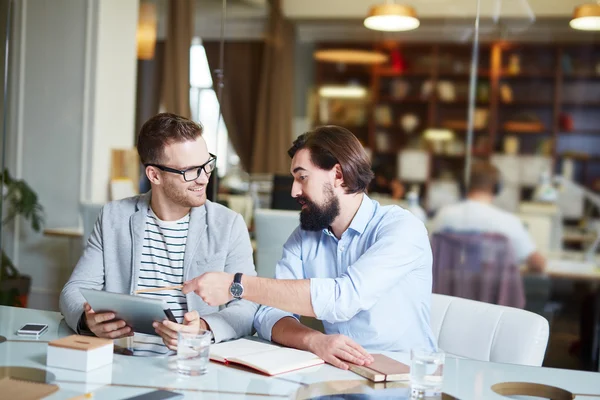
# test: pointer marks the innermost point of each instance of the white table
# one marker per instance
(129, 376)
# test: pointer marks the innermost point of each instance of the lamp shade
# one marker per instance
(391, 17)
(146, 31)
(586, 17)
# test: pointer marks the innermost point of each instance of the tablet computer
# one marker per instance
(139, 312)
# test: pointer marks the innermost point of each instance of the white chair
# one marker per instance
(488, 332)
(272, 228)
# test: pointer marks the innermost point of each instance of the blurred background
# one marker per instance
(426, 85)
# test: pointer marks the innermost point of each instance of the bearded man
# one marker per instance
(363, 269)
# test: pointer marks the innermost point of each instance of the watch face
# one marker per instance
(236, 290)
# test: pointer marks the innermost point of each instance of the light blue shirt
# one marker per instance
(373, 285)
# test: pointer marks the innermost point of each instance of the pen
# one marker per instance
(158, 289)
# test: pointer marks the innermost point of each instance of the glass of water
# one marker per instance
(426, 371)
(192, 352)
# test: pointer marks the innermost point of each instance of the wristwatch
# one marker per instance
(236, 289)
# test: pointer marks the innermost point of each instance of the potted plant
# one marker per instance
(18, 199)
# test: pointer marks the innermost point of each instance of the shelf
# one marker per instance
(467, 74)
(405, 100)
(580, 132)
(463, 102)
(527, 103)
(521, 133)
(389, 72)
(581, 75)
(581, 104)
(529, 75)
(460, 156)
(579, 157)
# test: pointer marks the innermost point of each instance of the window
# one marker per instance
(205, 109)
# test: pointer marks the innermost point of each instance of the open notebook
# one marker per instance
(266, 358)
(383, 369)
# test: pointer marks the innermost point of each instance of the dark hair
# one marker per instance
(330, 145)
(484, 176)
(163, 129)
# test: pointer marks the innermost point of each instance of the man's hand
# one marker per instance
(167, 330)
(336, 349)
(212, 287)
(104, 325)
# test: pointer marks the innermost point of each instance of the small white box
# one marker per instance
(81, 353)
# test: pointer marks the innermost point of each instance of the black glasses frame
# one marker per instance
(200, 168)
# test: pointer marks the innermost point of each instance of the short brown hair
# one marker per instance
(163, 129)
(330, 145)
(484, 176)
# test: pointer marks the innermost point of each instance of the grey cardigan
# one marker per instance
(217, 240)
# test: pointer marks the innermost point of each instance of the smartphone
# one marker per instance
(32, 330)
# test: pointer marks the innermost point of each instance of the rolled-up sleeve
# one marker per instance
(401, 246)
(289, 267)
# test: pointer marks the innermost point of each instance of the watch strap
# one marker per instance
(237, 278)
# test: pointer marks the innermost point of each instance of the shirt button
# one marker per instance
(341, 248)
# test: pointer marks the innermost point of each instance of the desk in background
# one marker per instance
(130, 376)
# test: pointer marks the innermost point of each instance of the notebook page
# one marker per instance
(225, 350)
(278, 361)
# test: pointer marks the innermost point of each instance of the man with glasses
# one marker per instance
(161, 239)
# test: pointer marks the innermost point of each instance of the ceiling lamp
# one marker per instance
(391, 17)
(586, 17)
(350, 56)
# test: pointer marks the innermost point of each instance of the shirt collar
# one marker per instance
(363, 215)
(361, 218)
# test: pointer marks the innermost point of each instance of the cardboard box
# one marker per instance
(81, 353)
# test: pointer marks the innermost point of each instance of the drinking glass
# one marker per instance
(426, 371)
(192, 352)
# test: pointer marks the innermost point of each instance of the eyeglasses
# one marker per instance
(191, 174)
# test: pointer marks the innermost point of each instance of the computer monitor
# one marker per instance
(281, 197)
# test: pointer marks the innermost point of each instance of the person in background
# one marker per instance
(162, 238)
(363, 269)
(477, 214)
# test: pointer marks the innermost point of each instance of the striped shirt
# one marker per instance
(162, 265)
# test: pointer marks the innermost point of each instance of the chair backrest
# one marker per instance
(281, 197)
(89, 215)
(477, 266)
(272, 228)
(488, 332)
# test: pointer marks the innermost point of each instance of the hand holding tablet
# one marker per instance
(134, 312)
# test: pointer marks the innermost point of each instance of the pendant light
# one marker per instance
(586, 17)
(391, 17)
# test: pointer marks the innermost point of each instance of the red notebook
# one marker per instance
(267, 358)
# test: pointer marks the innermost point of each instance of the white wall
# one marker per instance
(113, 124)
(61, 50)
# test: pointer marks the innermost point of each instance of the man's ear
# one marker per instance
(153, 175)
(338, 176)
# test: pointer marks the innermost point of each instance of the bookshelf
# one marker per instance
(542, 99)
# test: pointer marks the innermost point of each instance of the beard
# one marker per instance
(314, 217)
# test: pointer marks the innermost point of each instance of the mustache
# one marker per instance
(303, 200)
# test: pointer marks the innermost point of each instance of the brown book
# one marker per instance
(383, 369)
(16, 389)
